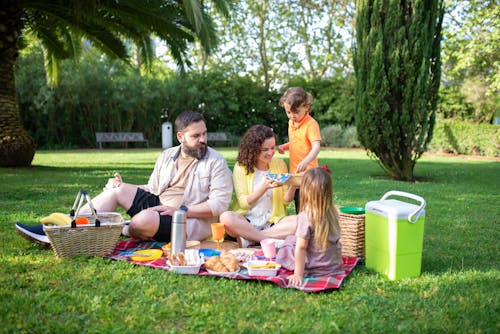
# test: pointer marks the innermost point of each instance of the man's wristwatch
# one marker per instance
(183, 208)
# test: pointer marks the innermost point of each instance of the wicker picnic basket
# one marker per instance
(352, 234)
(99, 237)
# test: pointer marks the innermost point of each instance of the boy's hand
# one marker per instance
(301, 167)
(281, 150)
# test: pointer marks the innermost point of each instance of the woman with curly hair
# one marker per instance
(260, 205)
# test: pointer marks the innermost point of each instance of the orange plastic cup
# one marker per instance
(218, 231)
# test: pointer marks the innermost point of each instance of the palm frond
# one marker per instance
(61, 25)
(52, 65)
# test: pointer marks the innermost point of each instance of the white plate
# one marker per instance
(222, 273)
(244, 254)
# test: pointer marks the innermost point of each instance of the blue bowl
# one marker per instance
(207, 252)
(280, 178)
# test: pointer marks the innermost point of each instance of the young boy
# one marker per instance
(304, 138)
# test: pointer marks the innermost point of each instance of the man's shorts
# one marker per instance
(144, 200)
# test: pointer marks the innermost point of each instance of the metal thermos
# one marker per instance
(178, 235)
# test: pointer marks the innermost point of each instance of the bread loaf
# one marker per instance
(226, 262)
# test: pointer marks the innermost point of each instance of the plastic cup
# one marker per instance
(218, 231)
(269, 248)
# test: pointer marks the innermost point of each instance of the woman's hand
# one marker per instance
(294, 280)
(270, 183)
(114, 182)
(261, 190)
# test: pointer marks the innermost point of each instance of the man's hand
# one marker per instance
(164, 210)
(114, 182)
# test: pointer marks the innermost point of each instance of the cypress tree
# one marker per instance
(397, 65)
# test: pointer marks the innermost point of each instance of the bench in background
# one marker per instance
(119, 137)
(219, 137)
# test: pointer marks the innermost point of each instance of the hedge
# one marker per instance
(466, 138)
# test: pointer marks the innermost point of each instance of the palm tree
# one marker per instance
(61, 25)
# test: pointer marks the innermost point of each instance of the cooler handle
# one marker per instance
(412, 217)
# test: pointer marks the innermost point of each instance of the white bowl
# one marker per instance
(194, 261)
(260, 268)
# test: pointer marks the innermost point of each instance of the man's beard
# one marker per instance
(195, 152)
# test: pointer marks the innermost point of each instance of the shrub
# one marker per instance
(466, 138)
(337, 136)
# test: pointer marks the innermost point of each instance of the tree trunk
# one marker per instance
(17, 148)
(262, 43)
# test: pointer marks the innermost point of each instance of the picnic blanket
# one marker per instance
(310, 284)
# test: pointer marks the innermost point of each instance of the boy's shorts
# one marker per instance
(144, 200)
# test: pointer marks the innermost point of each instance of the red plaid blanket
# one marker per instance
(310, 284)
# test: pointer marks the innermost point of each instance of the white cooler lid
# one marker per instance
(392, 208)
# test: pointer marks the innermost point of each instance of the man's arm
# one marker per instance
(221, 187)
(201, 210)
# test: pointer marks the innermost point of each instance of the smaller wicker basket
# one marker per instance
(352, 234)
(97, 238)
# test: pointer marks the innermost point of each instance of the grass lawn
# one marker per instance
(457, 292)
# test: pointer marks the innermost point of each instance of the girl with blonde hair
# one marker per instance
(315, 249)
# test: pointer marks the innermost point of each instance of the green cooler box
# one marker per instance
(394, 235)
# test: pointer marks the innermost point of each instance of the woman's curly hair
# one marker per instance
(250, 146)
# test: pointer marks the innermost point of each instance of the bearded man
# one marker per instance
(191, 176)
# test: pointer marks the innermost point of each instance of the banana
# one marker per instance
(67, 219)
(51, 220)
(56, 218)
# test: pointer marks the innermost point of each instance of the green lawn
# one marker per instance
(458, 291)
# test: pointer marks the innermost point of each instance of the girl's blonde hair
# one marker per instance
(316, 200)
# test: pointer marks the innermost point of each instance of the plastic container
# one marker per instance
(262, 268)
(194, 262)
(187, 270)
(394, 233)
(208, 252)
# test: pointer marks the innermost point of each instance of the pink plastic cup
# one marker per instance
(269, 248)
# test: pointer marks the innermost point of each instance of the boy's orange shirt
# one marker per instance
(300, 138)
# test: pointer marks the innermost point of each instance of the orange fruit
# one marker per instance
(82, 221)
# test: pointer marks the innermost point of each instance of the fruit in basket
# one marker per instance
(82, 221)
(56, 218)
